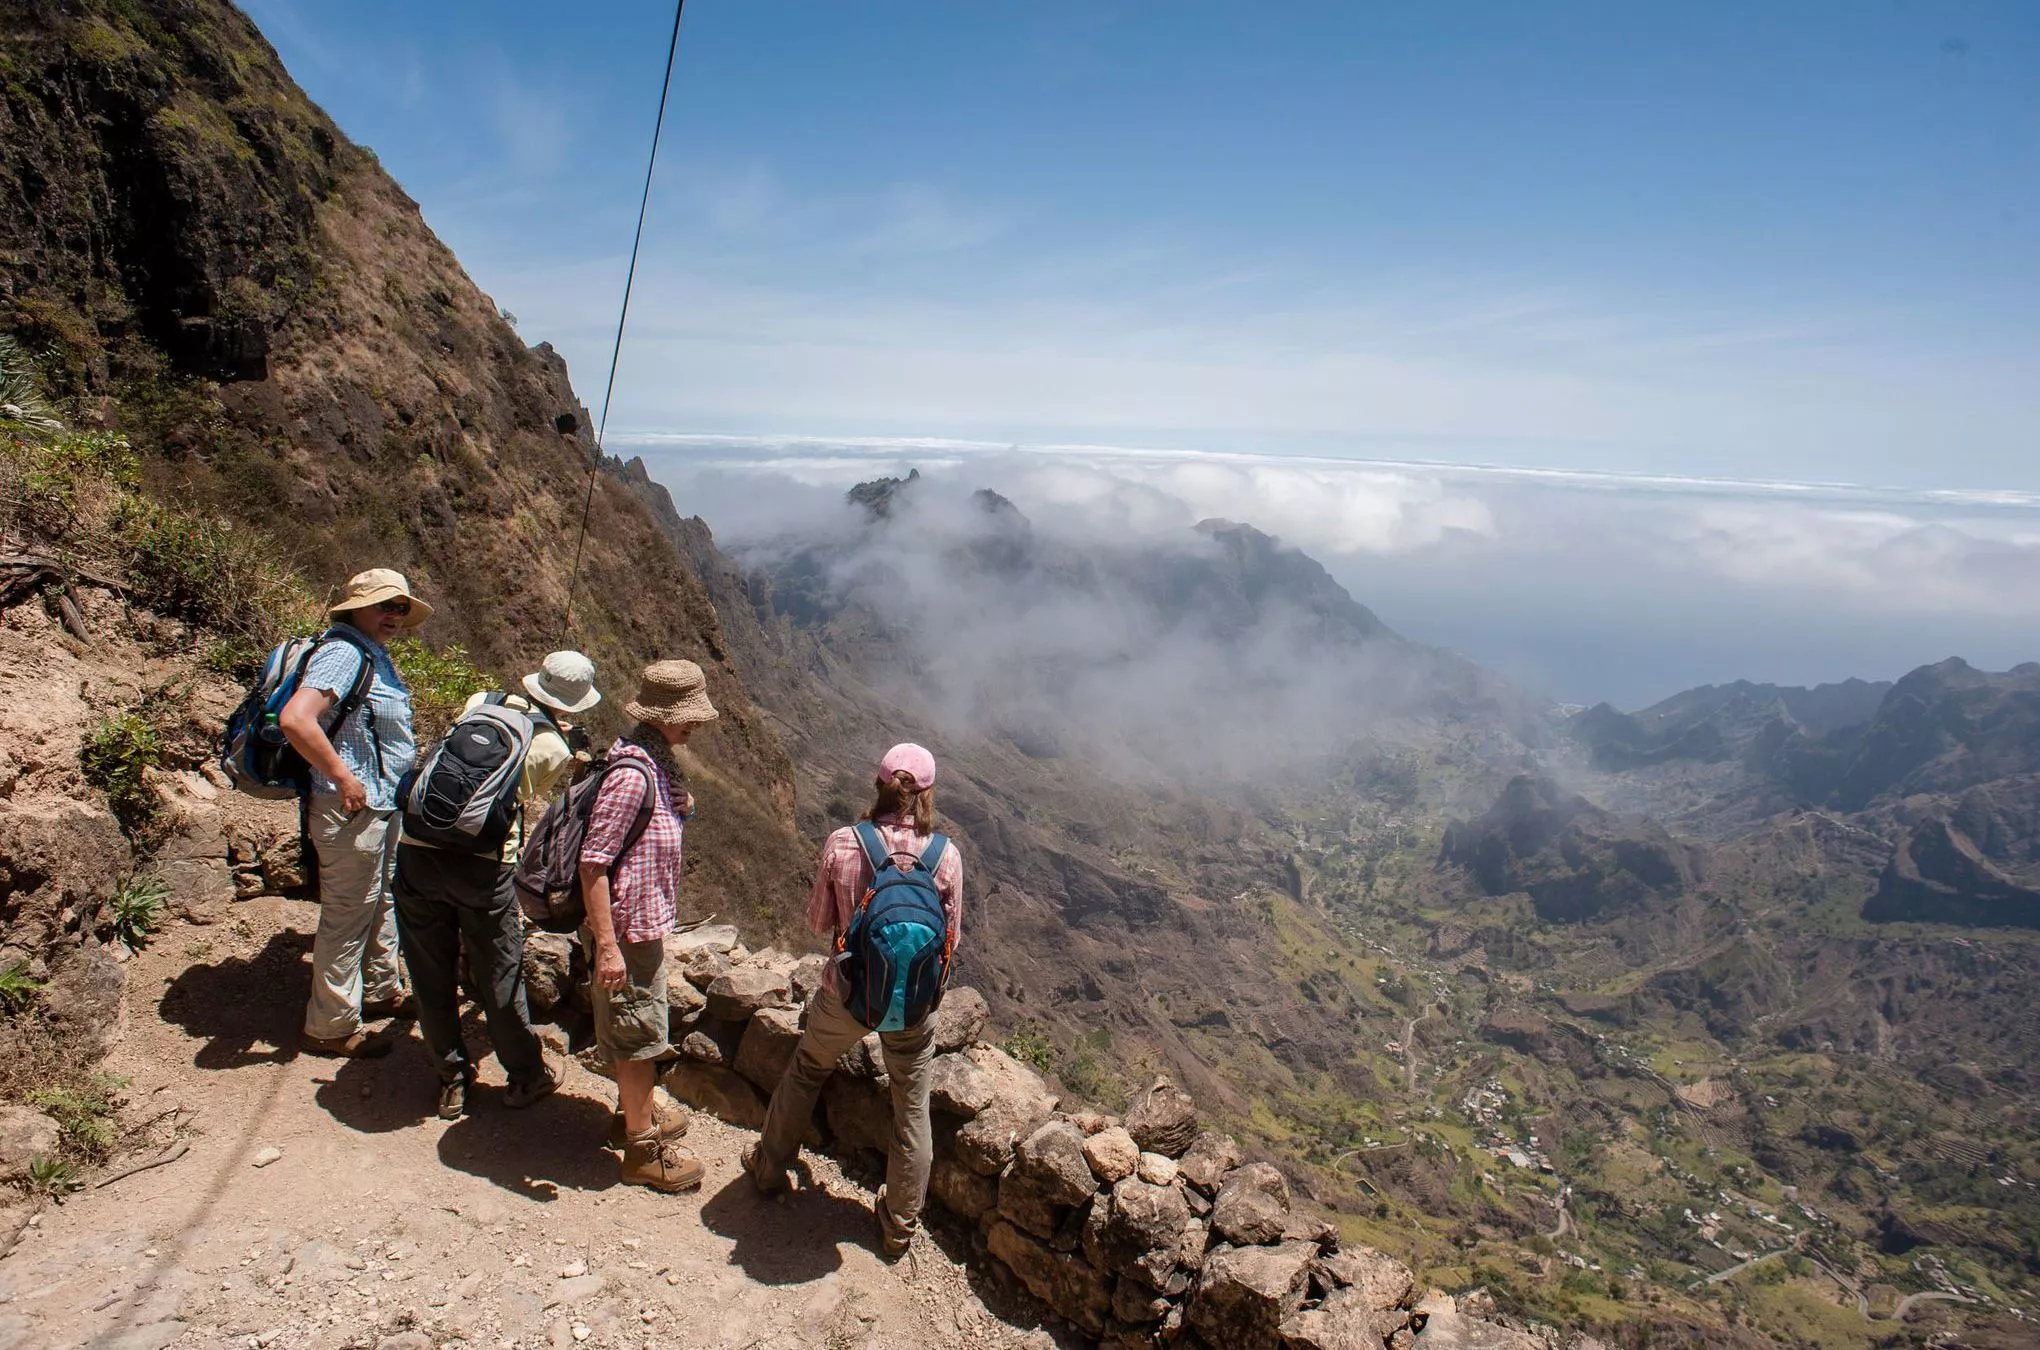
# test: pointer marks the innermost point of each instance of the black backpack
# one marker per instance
(548, 877)
(465, 793)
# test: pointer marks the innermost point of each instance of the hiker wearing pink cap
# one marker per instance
(894, 850)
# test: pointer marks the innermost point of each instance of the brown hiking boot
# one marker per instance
(453, 1099)
(769, 1180)
(355, 1045)
(403, 1005)
(670, 1122)
(660, 1164)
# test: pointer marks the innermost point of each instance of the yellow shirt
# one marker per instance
(544, 763)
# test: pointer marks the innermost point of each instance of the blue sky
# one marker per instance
(1741, 239)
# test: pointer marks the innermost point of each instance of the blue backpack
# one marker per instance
(258, 759)
(895, 954)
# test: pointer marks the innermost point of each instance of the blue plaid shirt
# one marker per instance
(378, 762)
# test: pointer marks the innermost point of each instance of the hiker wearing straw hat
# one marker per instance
(355, 767)
(449, 901)
(632, 893)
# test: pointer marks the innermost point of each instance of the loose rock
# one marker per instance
(718, 1091)
(1112, 1154)
(1252, 1206)
(25, 1135)
(742, 991)
(1053, 1155)
(265, 1156)
(548, 971)
(1381, 1280)
(1164, 1120)
(1157, 1170)
(1208, 1159)
(1244, 1294)
(700, 1048)
(768, 1045)
(961, 1019)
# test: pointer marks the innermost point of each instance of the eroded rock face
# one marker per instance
(85, 1001)
(1164, 1120)
(1244, 1294)
(1066, 1283)
(1447, 1328)
(1252, 1207)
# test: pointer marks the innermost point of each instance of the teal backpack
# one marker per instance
(895, 954)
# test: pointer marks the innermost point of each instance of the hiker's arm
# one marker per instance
(609, 969)
(300, 723)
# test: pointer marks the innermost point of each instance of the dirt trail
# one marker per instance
(381, 1226)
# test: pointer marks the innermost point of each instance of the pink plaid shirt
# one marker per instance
(644, 892)
(845, 874)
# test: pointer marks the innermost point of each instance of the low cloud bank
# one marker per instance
(1583, 586)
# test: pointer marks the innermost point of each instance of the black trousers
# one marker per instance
(447, 901)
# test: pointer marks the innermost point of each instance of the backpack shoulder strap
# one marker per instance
(646, 805)
(932, 854)
(363, 677)
(873, 844)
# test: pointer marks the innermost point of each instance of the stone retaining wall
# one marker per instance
(1142, 1231)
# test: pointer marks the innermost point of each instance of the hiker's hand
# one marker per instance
(686, 803)
(609, 971)
(353, 796)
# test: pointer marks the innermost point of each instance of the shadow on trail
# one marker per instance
(237, 1004)
(787, 1239)
(376, 1096)
(550, 1146)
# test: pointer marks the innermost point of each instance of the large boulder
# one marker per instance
(961, 1191)
(25, 1135)
(1053, 1156)
(743, 990)
(970, 1081)
(1164, 1120)
(770, 1038)
(1207, 1160)
(1031, 1203)
(719, 1091)
(1136, 1229)
(1252, 1207)
(85, 1002)
(961, 1019)
(1066, 1283)
(1342, 1322)
(1377, 1278)
(1112, 1154)
(1245, 1294)
(986, 1142)
(548, 971)
(54, 855)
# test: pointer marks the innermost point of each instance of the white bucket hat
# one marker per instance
(564, 682)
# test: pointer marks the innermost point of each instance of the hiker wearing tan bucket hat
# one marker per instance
(632, 893)
(351, 720)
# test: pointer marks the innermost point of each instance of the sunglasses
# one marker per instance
(400, 608)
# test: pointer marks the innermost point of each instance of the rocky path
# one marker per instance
(323, 1204)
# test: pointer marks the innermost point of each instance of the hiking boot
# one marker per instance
(404, 1005)
(354, 1045)
(453, 1099)
(670, 1123)
(661, 1164)
(768, 1183)
(520, 1095)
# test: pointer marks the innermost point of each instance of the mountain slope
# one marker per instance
(202, 260)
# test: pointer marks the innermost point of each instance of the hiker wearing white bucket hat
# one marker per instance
(564, 682)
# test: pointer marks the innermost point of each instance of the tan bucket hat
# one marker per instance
(672, 692)
(565, 682)
(373, 587)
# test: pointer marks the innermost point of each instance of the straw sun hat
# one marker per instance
(373, 587)
(672, 693)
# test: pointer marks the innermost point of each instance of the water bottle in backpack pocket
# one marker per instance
(895, 953)
(464, 793)
(257, 757)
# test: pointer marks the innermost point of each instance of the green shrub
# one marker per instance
(440, 683)
(52, 1177)
(1031, 1046)
(85, 1110)
(117, 756)
(17, 990)
(136, 907)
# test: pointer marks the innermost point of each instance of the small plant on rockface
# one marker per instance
(440, 683)
(1030, 1044)
(85, 1110)
(17, 988)
(52, 1177)
(117, 757)
(136, 906)
(21, 400)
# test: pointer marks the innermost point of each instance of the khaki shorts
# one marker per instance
(630, 1023)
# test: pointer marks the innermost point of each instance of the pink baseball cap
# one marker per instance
(912, 760)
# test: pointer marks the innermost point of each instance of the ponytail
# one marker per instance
(897, 796)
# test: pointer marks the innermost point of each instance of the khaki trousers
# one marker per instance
(909, 1058)
(354, 956)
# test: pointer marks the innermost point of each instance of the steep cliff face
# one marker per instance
(202, 260)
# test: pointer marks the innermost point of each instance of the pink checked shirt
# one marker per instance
(646, 888)
(845, 874)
